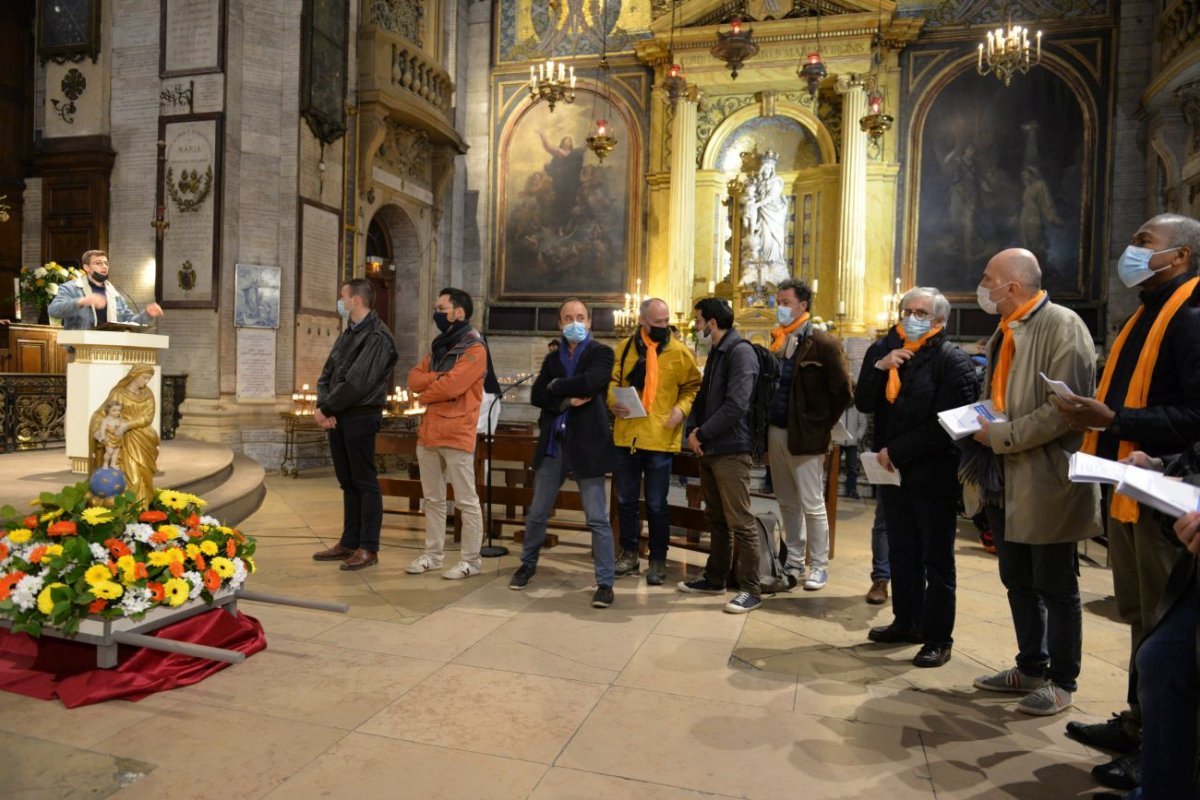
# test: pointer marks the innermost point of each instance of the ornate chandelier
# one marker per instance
(674, 85)
(735, 46)
(1009, 52)
(552, 81)
(600, 141)
(812, 72)
(875, 123)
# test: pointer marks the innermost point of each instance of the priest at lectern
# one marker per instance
(93, 301)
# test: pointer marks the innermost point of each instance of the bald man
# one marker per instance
(1033, 444)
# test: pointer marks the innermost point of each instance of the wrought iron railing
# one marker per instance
(33, 409)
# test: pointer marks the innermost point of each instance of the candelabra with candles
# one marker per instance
(891, 310)
(553, 82)
(304, 402)
(625, 320)
(1009, 52)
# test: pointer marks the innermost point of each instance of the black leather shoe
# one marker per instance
(891, 634)
(1111, 734)
(932, 655)
(1124, 772)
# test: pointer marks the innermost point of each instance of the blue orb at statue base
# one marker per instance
(107, 482)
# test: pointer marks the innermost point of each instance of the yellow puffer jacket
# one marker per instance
(678, 384)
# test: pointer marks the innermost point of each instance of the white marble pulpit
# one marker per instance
(102, 358)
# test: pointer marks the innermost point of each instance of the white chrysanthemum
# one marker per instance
(139, 532)
(24, 594)
(211, 521)
(20, 551)
(98, 552)
(197, 582)
(239, 573)
(135, 601)
(40, 272)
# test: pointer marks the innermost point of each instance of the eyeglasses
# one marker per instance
(915, 312)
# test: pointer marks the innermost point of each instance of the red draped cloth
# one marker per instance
(46, 668)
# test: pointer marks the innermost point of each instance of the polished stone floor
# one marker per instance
(438, 689)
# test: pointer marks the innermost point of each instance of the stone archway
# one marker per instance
(406, 254)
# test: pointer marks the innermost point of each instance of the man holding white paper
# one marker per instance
(1036, 548)
(1148, 400)
(907, 377)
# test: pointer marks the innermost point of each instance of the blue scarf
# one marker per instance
(570, 364)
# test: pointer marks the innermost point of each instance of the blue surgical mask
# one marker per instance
(915, 328)
(1133, 268)
(783, 314)
(575, 332)
(343, 312)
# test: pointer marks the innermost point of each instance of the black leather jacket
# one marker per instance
(357, 373)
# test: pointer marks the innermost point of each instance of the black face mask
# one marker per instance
(659, 335)
(98, 278)
(442, 321)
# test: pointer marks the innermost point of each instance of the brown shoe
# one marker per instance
(360, 559)
(335, 553)
(878, 594)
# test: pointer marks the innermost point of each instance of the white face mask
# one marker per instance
(983, 296)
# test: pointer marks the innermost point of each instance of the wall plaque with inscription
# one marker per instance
(320, 258)
(192, 39)
(189, 198)
(255, 363)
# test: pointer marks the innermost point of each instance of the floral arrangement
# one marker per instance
(40, 284)
(4, 208)
(76, 557)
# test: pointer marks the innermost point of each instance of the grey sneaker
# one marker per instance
(627, 563)
(656, 575)
(1046, 701)
(817, 578)
(1009, 680)
(520, 578)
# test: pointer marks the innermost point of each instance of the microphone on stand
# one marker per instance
(129, 299)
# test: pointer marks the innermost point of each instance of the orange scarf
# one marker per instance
(1125, 509)
(780, 333)
(893, 381)
(1007, 349)
(651, 386)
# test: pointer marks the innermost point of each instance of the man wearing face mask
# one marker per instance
(91, 301)
(908, 377)
(574, 438)
(1044, 515)
(449, 382)
(664, 372)
(1148, 400)
(813, 391)
(722, 439)
(351, 394)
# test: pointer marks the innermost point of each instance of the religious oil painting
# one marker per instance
(564, 222)
(1003, 167)
(256, 303)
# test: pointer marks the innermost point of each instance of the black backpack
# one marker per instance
(760, 401)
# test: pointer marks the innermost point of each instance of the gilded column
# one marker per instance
(852, 225)
(681, 237)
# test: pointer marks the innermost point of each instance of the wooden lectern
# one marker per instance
(102, 358)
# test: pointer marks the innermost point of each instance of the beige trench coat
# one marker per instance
(1041, 505)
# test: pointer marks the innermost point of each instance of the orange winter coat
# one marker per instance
(452, 399)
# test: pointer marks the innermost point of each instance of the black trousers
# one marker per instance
(920, 537)
(352, 446)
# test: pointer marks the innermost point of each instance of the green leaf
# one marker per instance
(71, 625)
(7, 512)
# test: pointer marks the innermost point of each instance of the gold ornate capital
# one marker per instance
(105, 354)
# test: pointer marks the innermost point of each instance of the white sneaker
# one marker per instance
(460, 571)
(1046, 701)
(817, 578)
(423, 563)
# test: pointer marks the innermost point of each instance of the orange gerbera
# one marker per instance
(158, 537)
(37, 554)
(199, 561)
(31, 521)
(193, 521)
(64, 527)
(8, 582)
(97, 606)
(3, 551)
(212, 581)
(176, 569)
(156, 591)
(194, 533)
(117, 548)
(230, 548)
(112, 567)
(152, 516)
(139, 570)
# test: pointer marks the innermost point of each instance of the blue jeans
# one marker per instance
(655, 466)
(546, 483)
(1166, 673)
(880, 568)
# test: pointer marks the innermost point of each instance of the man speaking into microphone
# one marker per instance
(92, 301)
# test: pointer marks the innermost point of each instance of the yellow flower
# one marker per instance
(22, 535)
(192, 551)
(249, 560)
(54, 550)
(170, 531)
(128, 567)
(196, 501)
(157, 559)
(222, 566)
(45, 602)
(49, 515)
(108, 590)
(175, 554)
(97, 515)
(173, 499)
(97, 573)
(206, 547)
(176, 591)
